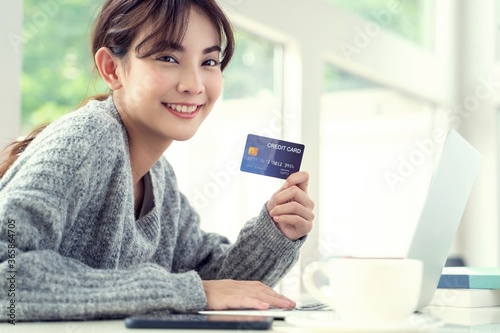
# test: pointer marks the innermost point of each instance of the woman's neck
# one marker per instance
(145, 147)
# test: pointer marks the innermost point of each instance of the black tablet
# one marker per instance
(199, 321)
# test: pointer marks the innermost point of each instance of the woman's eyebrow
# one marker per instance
(176, 47)
(180, 48)
(212, 49)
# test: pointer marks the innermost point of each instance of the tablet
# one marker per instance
(199, 321)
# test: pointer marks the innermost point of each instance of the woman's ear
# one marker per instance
(107, 64)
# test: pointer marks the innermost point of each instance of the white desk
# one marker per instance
(458, 320)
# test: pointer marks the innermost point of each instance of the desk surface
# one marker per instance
(458, 320)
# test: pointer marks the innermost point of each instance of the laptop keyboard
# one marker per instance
(312, 306)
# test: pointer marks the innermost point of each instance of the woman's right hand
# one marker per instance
(233, 294)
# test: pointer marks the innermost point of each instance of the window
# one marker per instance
(377, 157)
(57, 63)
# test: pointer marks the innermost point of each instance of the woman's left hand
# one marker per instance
(291, 208)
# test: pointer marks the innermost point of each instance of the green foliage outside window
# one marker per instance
(57, 64)
(407, 18)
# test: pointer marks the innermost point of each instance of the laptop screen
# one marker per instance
(445, 203)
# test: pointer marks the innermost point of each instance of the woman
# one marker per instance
(97, 226)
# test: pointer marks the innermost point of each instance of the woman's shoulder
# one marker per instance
(92, 132)
(88, 138)
(94, 118)
(95, 124)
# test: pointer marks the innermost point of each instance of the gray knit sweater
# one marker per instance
(71, 246)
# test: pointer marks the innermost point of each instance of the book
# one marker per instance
(466, 298)
(477, 317)
(470, 278)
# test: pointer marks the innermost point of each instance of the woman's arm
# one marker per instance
(47, 286)
(260, 253)
(235, 275)
(239, 275)
(45, 204)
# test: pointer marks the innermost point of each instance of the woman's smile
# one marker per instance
(181, 110)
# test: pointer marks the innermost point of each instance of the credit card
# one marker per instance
(271, 157)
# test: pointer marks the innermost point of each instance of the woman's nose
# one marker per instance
(190, 82)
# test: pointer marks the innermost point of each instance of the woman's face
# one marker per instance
(168, 95)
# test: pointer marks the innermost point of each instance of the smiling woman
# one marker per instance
(106, 231)
(252, 102)
(55, 52)
(187, 75)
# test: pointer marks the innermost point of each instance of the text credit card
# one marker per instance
(271, 157)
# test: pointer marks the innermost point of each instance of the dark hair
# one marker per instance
(118, 25)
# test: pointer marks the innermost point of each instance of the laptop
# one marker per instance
(447, 197)
(448, 193)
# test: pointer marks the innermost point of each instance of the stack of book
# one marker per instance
(468, 287)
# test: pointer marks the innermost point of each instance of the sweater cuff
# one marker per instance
(268, 232)
(193, 298)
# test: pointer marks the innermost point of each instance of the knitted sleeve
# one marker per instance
(261, 252)
(40, 197)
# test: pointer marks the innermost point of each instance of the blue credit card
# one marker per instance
(271, 157)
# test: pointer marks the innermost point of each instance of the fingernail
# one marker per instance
(276, 218)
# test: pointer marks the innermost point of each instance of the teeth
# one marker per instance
(182, 108)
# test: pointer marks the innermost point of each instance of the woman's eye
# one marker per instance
(167, 59)
(211, 62)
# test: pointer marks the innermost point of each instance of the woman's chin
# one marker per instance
(184, 136)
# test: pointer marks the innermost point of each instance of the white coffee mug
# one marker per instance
(369, 290)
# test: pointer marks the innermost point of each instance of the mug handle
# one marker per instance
(308, 280)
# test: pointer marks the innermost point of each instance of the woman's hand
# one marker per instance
(291, 208)
(232, 294)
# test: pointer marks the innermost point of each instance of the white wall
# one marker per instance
(10, 69)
